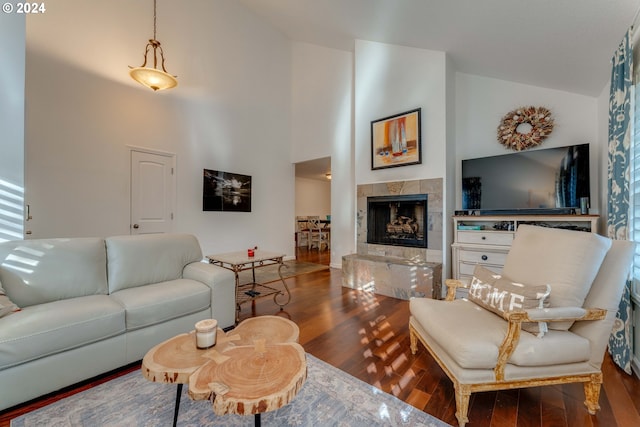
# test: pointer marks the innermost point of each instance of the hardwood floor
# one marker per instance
(366, 335)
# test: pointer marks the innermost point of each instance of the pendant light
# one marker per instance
(153, 77)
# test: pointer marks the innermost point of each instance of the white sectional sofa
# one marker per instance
(90, 305)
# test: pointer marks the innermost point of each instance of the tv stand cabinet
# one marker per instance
(486, 240)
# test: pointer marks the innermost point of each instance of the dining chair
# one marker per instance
(302, 231)
(318, 235)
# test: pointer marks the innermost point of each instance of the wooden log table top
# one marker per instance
(256, 367)
(251, 379)
(173, 361)
(274, 329)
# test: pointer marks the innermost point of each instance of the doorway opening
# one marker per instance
(313, 201)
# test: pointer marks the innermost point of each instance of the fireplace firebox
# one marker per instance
(397, 220)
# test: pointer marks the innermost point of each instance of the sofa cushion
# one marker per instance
(157, 303)
(567, 260)
(45, 329)
(480, 333)
(45, 270)
(6, 305)
(149, 258)
(498, 294)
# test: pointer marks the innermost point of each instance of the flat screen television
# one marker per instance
(545, 181)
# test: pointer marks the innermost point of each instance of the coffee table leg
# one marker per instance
(257, 420)
(177, 409)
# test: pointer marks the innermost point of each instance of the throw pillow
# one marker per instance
(6, 305)
(499, 295)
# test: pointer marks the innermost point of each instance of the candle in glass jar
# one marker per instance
(206, 333)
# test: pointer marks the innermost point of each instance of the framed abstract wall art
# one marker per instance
(224, 191)
(395, 140)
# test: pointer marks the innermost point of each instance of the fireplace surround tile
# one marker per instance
(432, 187)
(387, 265)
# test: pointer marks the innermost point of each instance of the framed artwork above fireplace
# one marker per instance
(395, 140)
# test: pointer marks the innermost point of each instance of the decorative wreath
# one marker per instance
(541, 126)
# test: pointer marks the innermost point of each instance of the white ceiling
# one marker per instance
(558, 44)
(314, 169)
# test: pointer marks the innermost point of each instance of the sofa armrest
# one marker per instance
(452, 285)
(554, 314)
(223, 290)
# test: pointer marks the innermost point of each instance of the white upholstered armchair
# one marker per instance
(546, 320)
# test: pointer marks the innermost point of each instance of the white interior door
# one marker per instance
(152, 192)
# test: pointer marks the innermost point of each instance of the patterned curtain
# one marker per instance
(618, 169)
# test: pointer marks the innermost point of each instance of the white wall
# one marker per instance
(392, 79)
(313, 197)
(321, 126)
(449, 189)
(481, 103)
(603, 152)
(12, 43)
(320, 111)
(230, 112)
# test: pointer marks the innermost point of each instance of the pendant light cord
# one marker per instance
(154, 19)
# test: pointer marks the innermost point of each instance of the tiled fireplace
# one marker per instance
(399, 246)
(433, 189)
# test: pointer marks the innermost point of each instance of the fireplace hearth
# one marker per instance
(398, 220)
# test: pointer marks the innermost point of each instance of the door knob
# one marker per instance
(136, 226)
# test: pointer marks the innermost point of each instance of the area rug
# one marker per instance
(292, 268)
(329, 397)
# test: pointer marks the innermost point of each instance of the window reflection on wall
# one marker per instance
(11, 211)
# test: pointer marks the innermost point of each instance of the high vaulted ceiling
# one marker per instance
(558, 44)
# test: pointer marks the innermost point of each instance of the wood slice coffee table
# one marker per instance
(255, 368)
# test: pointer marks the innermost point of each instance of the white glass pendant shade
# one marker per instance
(152, 78)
